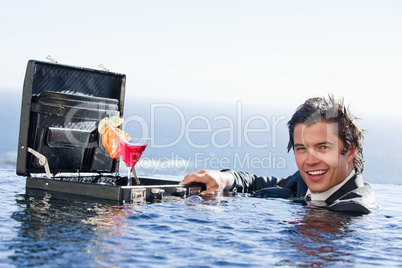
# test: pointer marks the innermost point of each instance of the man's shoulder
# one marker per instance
(355, 196)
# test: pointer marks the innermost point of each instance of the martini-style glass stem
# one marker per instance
(129, 178)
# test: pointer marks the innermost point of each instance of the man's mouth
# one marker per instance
(316, 174)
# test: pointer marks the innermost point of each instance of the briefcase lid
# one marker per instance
(60, 111)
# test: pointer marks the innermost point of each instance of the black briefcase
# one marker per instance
(59, 146)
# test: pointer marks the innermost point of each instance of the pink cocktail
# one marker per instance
(130, 152)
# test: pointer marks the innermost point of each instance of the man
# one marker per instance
(327, 144)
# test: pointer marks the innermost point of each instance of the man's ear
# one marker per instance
(351, 153)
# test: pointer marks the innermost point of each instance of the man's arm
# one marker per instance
(247, 183)
(229, 180)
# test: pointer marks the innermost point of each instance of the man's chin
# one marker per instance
(316, 187)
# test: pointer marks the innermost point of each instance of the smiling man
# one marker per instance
(327, 144)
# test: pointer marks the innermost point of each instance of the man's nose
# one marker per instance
(312, 158)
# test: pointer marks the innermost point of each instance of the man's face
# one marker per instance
(318, 155)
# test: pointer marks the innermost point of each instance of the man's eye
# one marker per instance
(324, 148)
(300, 149)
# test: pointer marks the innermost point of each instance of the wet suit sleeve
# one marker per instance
(267, 186)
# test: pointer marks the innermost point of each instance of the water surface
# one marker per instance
(53, 230)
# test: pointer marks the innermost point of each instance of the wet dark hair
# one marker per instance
(331, 111)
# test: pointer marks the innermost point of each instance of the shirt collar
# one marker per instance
(322, 196)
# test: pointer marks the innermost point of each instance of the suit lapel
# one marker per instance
(350, 185)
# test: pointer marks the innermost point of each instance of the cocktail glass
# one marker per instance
(131, 151)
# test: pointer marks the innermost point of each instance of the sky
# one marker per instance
(274, 53)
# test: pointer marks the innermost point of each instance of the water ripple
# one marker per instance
(41, 229)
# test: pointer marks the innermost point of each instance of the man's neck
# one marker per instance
(322, 196)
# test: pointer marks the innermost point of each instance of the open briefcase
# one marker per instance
(59, 146)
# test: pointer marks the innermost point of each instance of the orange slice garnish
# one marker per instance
(110, 141)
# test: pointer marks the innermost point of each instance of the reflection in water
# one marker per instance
(109, 218)
(54, 229)
(109, 221)
(319, 237)
(75, 231)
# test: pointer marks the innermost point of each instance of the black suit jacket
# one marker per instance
(354, 196)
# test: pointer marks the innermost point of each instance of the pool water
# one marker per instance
(39, 228)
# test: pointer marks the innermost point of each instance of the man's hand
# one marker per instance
(214, 180)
